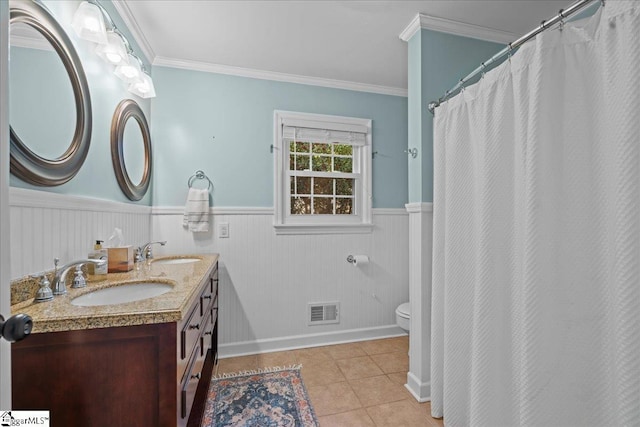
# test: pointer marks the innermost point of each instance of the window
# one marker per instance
(322, 173)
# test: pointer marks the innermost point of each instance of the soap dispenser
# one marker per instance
(98, 272)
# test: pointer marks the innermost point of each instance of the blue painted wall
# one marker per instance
(414, 115)
(437, 61)
(96, 178)
(192, 107)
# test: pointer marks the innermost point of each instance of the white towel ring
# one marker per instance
(200, 175)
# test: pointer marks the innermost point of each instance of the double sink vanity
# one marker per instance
(136, 349)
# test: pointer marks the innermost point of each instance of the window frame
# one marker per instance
(284, 221)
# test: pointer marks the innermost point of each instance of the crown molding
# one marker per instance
(411, 29)
(275, 76)
(130, 21)
(422, 21)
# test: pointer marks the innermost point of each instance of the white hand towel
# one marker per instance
(196, 211)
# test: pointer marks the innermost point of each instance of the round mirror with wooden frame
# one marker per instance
(26, 163)
(129, 109)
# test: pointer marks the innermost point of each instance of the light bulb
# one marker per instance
(113, 57)
(129, 72)
(114, 51)
(88, 23)
(91, 24)
(143, 87)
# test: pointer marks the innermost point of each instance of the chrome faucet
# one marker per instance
(144, 251)
(60, 275)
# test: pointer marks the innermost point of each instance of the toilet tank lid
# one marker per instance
(405, 308)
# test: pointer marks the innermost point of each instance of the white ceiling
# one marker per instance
(353, 41)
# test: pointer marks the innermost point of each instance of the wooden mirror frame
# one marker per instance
(125, 110)
(25, 164)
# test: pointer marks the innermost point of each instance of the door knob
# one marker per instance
(16, 327)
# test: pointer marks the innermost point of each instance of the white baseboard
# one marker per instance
(421, 391)
(311, 340)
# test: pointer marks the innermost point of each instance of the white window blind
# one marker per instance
(290, 133)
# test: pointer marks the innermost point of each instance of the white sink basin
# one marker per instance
(122, 294)
(168, 261)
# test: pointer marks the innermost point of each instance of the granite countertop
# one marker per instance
(61, 315)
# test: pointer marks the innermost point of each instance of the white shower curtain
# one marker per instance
(536, 266)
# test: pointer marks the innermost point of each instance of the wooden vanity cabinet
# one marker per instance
(143, 375)
(194, 347)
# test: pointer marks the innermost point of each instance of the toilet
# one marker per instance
(403, 316)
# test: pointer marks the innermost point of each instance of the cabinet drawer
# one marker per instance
(206, 299)
(214, 275)
(207, 333)
(190, 333)
(190, 382)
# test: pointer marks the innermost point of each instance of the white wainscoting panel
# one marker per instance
(420, 254)
(266, 280)
(48, 225)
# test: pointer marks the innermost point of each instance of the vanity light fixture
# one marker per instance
(143, 87)
(113, 47)
(129, 71)
(88, 23)
(114, 52)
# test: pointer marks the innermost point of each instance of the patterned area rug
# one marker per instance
(266, 398)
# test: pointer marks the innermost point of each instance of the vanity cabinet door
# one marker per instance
(190, 333)
(99, 377)
(190, 382)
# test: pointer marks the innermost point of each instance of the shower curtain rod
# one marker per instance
(559, 18)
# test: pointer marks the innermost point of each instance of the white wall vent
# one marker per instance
(321, 313)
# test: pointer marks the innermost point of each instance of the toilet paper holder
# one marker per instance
(357, 259)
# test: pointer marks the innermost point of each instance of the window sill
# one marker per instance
(323, 228)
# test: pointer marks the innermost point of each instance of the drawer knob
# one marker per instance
(196, 376)
(208, 333)
(194, 326)
(207, 297)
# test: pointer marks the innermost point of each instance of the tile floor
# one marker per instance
(351, 385)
